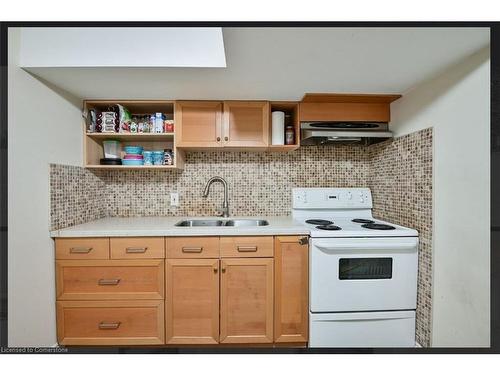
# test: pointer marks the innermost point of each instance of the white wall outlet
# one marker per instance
(174, 199)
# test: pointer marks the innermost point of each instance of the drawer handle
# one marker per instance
(108, 281)
(80, 250)
(114, 325)
(136, 250)
(247, 249)
(192, 249)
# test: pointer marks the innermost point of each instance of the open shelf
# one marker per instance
(93, 142)
(131, 137)
(291, 110)
(131, 166)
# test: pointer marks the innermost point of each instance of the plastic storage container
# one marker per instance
(112, 149)
(133, 150)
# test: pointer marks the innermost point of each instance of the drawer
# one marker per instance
(246, 247)
(110, 323)
(82, 248)
(192, 247)
(109, 279)
(137, 247)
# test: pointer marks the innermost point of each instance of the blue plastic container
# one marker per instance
(158, 157)
(132, 162)
(133, 150)
(148, 157)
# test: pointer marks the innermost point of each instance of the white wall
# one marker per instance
(457, 105)
(43, 127)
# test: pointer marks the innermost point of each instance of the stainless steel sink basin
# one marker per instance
(221, 223)
(246, 223)
(200, 223)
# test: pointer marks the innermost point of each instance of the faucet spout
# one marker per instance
(206, 191)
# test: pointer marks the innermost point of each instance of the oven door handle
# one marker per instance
(393, 246)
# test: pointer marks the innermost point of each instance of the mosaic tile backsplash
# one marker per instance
(399, 173)
(76, 196)
(400, 178)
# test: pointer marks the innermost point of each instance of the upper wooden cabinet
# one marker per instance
(230, 124)
(246, 124)
(346, 107)
(198, 124)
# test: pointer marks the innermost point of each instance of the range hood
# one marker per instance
(334, 132)
(327, 119)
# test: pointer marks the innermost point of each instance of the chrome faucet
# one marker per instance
(225, 204)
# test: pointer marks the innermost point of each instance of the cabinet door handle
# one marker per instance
(303, 241)
(108, 281)
(136, 250)
(216, 270)
(188, 249)
(218, 139)
(223, 270)
(113, 325)
(80, 250)
(246, 249)
(226, 138)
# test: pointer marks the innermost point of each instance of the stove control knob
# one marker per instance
(361, 199)
(349, 195)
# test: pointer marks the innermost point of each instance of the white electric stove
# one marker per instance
(363, 271)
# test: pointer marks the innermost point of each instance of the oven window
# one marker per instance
(365, 268)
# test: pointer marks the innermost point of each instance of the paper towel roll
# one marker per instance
(278, 128)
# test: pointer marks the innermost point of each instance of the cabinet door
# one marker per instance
(198, 124)
(246, 300)
(246, 124)
(291, 289)
(192, 301)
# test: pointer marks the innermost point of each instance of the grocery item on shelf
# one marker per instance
(106, 122)
(168, 126)
(168, 157)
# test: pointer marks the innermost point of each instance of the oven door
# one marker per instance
(363, 274)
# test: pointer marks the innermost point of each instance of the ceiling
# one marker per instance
(285, 63)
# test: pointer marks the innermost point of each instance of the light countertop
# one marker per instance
(165, 226)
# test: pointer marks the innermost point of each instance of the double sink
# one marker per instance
(223, 223)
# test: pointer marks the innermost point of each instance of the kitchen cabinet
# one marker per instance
(230, 124)
(291, 277)
(182, 290)
(346, 107)
(109, 279)
(192, 301)
(110, 323)
(93, 150)
(246, 124)
(246, 314)
(198, 124)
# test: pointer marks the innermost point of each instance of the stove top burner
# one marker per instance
(378, 226)
(319, 222)
(328, 227)
(363, 221)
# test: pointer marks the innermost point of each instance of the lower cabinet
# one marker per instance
(291, 302)
(110, 322)
(246, 300)
(192, 301)
(208, 291)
